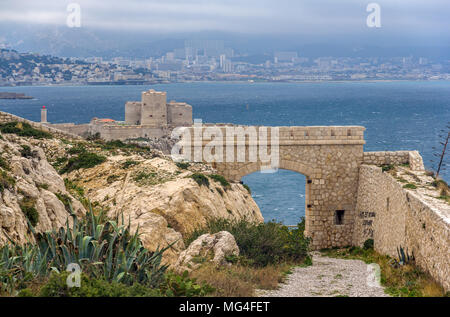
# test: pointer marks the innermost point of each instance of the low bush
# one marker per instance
(387, 167)
(128, 163)
(182, 165)
(24, 129)
(247, 188)
(410, 186)
(56, 286)
(65, 199)
(219, 178)
(26, 151)
(368, 244)
(6, 181)
(200, 179)
(83, 160)
(4, 164)
(264, 243)
(28, 207)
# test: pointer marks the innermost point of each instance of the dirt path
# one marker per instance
(328, 277)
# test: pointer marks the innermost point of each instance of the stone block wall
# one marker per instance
(179, 114)
(413, 158)
(7, 117)
(394, 216)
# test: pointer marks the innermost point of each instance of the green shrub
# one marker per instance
(56, 286)
(24, 129)
(77, 149)
(368, 244)
(129, 163)
(262, 244)
(112, 178)
(6, 181)
(4, 164)
(83, 160)
(182, 165)
(387, 167)
(28, 207)
(219, 178)
(73, 188)
(182, 285)
(247, 188)
(410, 186)
(200, 179)
(26, 151)
(65, 199)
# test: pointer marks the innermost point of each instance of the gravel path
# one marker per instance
(328, 277)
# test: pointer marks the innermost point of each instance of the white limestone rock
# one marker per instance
(210, 247)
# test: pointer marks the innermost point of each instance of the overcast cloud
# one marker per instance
(245, 16)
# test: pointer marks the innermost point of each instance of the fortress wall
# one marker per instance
(394, 217)
(413, 158)
(154, 108)
(133, 112)
(78, 129)
(115, 132)
(7, 117)
(179, 114)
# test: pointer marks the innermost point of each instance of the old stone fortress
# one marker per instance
(152, 117)
(349, 197)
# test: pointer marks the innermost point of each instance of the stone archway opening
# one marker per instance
(281, 196)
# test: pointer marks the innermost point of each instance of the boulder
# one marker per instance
(208, 247)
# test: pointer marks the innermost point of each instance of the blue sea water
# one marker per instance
(397, 116)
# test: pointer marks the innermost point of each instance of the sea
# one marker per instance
(398, 115)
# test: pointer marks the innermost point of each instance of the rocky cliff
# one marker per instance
(164, 200)
(31, 191)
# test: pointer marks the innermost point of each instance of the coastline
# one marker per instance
(223, 82)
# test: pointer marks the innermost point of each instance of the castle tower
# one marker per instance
(154, 108)
(43, 115)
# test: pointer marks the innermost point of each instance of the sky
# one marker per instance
(255, 26)
(243, 16)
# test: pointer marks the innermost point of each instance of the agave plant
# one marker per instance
(404, 257)
(104, 248)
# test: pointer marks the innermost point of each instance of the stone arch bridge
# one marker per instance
(329, 157)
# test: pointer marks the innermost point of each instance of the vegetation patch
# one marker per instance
(28, 207)
(182, 165)
(129, 163)
(222, 180)
(410, 186)
(65, 199)
(112, 178)
(4, 164)
(241, 280)
(24, 129)
(26, 151)
(200, 179)
(387, 167)
(83, 160)
(262, 244)
(6, 181)
(247, 188)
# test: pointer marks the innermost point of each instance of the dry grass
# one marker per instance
(241, 281)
